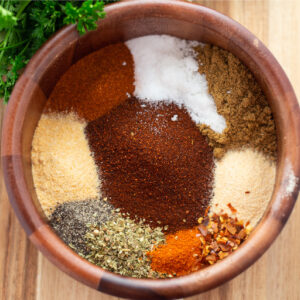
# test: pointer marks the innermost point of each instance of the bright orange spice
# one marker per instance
(180, 255)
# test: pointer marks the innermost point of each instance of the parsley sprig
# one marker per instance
(26, 24)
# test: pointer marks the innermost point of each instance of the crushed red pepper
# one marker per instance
(233, 210)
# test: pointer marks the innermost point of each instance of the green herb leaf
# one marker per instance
(7, 19)
(25, 25)
(85, 16)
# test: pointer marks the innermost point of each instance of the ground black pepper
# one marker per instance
(70, 219)
(154, 163)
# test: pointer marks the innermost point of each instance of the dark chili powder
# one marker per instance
(154, 163)
(95, 84)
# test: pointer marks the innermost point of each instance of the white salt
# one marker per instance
(174, 118)
(166, 69)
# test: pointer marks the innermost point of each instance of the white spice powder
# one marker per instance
(62, 166)
(245, 179)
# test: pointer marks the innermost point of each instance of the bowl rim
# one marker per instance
(53, 248)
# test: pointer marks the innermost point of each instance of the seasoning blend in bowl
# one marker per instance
(203, 82)
(156, 157)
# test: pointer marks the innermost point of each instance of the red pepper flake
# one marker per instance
(231, 228)
(212, 258)
(214, 227)
(247, 192)
(206, 211)
(242, 234)
(233, 210)
(222, 254)
(225, 247)
(214, 245)
(203, 230)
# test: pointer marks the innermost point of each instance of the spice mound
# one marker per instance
(240, 100)
(154, 163)
(121, 246)
(95, 84)
(63, 168)
(249, 178)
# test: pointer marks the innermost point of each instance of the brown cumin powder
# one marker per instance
(240, 100)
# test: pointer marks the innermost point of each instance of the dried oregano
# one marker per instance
(120, 245)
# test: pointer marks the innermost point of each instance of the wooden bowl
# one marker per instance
(124, 21)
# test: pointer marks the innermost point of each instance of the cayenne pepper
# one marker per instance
(180, 255)
(153, 167)
(95, 84)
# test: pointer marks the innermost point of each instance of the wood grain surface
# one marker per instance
(26, 274)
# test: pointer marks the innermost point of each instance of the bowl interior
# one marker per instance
(125, 21)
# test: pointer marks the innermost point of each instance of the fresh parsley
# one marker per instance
(85, 16)
(7, 19)
(26, 24)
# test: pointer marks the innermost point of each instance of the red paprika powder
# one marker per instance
(154, 163)
(95, 84)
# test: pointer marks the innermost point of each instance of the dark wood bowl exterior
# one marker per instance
(127, 20)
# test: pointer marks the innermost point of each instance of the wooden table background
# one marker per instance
(26, 275)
